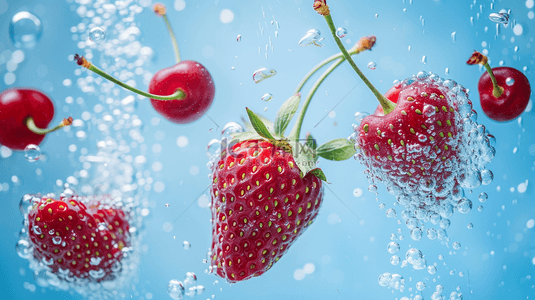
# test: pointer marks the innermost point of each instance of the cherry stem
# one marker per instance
(498, 90)
(296, 131)
(160, 10)
(388, 106)
(80, 60)
(353, 51)
(30, 123)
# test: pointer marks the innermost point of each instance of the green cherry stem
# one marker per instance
(322, 8)
(160, 10)
(296, 130)
(479, 58)
(81, 61)
(365, 43)
(30, 123)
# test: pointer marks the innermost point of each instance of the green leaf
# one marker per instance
(286, 113)
(319, 173)
(259, 126)
(311, 142)
(304, 157)
(337, 150)
(267, 122)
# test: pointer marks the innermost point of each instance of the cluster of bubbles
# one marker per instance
(117, 167)
(123, 270)
(178, 289)
(312, 38)
(474, 148)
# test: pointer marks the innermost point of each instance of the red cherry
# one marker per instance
(514, 99)
(191, 77)
(16, 105)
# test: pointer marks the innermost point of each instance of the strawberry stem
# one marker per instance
(365, 43)
(81, 61)
(388, 106)
(30, 123)
(160, 10)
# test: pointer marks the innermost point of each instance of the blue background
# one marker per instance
(349, 255)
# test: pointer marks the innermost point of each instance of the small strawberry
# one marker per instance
(77, 237)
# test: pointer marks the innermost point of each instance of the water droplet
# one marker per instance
(470, 226)
(97, 274)
(186, 245)
(447, 72)
(509, 81)
(392, 247)
(431, 270)
(263, 73)
(191, 279)
(25, 30)
(166, 204)
(97, 35)
(267, 97)
(32, 153)
(431, 234)
(516, 49)
(56, 240)
(37, 230)
(376, 16)
(200, 289)
(501, 18)
(424, 60)
(480, 208)
(391, 213)
(372, 65)
(456, 245)
(311, 38)
(483, 197)
(360, 115)
(175, 289)
(420, 286)
(341, 32)
(384, 279)
(464, 206)
(213, 147)
(454, 36)
(238, 39)
(230, 129)
(394, 260)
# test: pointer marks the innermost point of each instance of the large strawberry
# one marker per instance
(265, 191)
(423, 143)
(78, 237)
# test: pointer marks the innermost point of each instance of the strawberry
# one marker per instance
(428, 145)
(261, 203)
(79, 236)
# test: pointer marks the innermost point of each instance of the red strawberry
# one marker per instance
(85, 240)
(418, 149)
(261, 203)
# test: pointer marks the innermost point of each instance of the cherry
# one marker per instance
(23, 112)
(188, 84)
(194, 80)
(503, 92)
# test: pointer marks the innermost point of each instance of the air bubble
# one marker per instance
(509, 81)
(32, 153)
(372, 65)
(501, 18)
(97, 35)
(263, 73)
(394, 260)
(341, 32)
(25, 30)
(311, 38)
(392, 247)
(456, 245)
(186, 245)
(175, 289)
(267, 97)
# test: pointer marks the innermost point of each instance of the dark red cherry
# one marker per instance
(194, 80)
(16, 105)
(514, 99)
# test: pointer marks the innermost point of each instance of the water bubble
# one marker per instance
(97, 35)
(464, 206)
(263, 73)
(311, 38)
(447, 72)
(392, 247)
(420, 286)
(470, 226)
(390, 213)
(97, 274)
(191, 279)
(267, 97)
(341, 32)
(360, 115)
(372, 65)
(200, 289)
(394, 260)
(413, 256)
(24, 249)
(175, 289)
(384, 279)
(454, 36)
(483, 197)
(501, 18)
(416, 233)
(480, 208)
(486, 177)
(32, 152)
(424, 60)
(456, 245)
(56, 240)
(238, 38)
(230, 129)
(25, 30)
(213, 147)
(186, 245)
(396, 282)
(509, 81)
